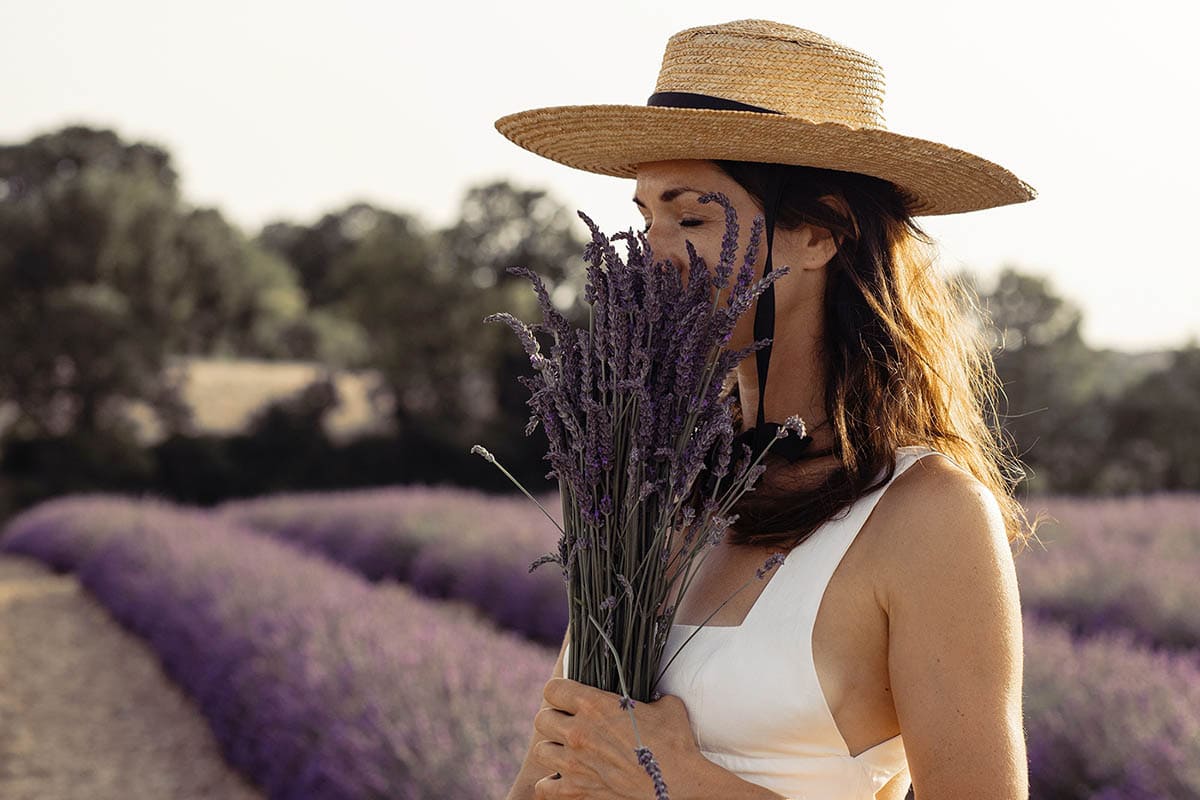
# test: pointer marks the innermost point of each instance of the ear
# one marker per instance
(818, 245)
(838, 204)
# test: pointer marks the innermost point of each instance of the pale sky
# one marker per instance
(286, 110)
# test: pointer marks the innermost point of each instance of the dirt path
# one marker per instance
(86, 712)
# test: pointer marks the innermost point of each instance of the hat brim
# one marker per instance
(614, 139)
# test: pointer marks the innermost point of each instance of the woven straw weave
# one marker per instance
(830, 103)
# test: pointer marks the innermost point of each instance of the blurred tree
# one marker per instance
(1050, 404)
(286, 440)
(372, 268)
(386, 283)
(84, 219)
(1156, 429)
(420, 297)
(312, 250)
(502, 225)
(103, 274)
(240, 299)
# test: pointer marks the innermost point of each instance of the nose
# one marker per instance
(663, 248)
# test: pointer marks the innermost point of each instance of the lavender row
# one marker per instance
(320, 687)
(316, 683)
(1118, 564)
(1108, 718)
(443, 542)
(1108, 564)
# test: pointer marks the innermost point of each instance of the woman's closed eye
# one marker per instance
(691, 223)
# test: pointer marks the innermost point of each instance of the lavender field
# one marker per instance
(1127, 564)
(392, 643)
(443, 542)
(316, 683)
(1104, 564)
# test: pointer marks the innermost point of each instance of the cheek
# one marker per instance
(707, 246)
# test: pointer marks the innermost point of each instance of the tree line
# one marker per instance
(107, 273)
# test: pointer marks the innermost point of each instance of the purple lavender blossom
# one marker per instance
(1107, 717)
(772, 562)
(633, 414)
(1068, 575)
(316, 683)
(525, 334)
(646, 759)
(441, 541)
(728, 243)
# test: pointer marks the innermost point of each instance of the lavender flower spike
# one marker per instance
(630, 403)
(536, 359)
(773, 561)
(729, 243)
(646, 759)
(793, 424)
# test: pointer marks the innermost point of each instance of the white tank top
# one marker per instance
(751, 690)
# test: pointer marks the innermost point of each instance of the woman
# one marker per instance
(885, 650)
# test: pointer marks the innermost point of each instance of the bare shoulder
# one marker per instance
(939, 520)
(949, 589)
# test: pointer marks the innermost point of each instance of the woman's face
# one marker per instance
(667, 197)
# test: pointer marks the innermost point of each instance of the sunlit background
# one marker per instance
(277, 110)
(246, 250)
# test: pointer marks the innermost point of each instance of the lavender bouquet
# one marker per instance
(634, 414)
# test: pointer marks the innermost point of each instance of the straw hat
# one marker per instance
(757, 90)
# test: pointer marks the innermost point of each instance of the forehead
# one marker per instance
(654, 173)
(667, 181)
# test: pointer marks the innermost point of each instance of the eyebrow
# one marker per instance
(669, 194)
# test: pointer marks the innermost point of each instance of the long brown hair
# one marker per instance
(907, 360)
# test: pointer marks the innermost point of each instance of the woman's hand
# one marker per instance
(588, 739)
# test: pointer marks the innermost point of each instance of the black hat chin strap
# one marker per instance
(792, 448)
(764, 432)
(764, 315)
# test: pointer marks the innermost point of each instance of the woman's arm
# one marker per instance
(955, 655)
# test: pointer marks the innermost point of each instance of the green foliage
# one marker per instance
(86, 224)
(233, 298)
(500, 225)
(104, 274)
(372, 268)
(1050, 377)
(38, 468)
(1155, 442)
(419, 297)
(1085, 420)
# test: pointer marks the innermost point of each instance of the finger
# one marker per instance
(563, 693)
(551, 724)
(574, 697)
(551, 756)
(548, 788)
